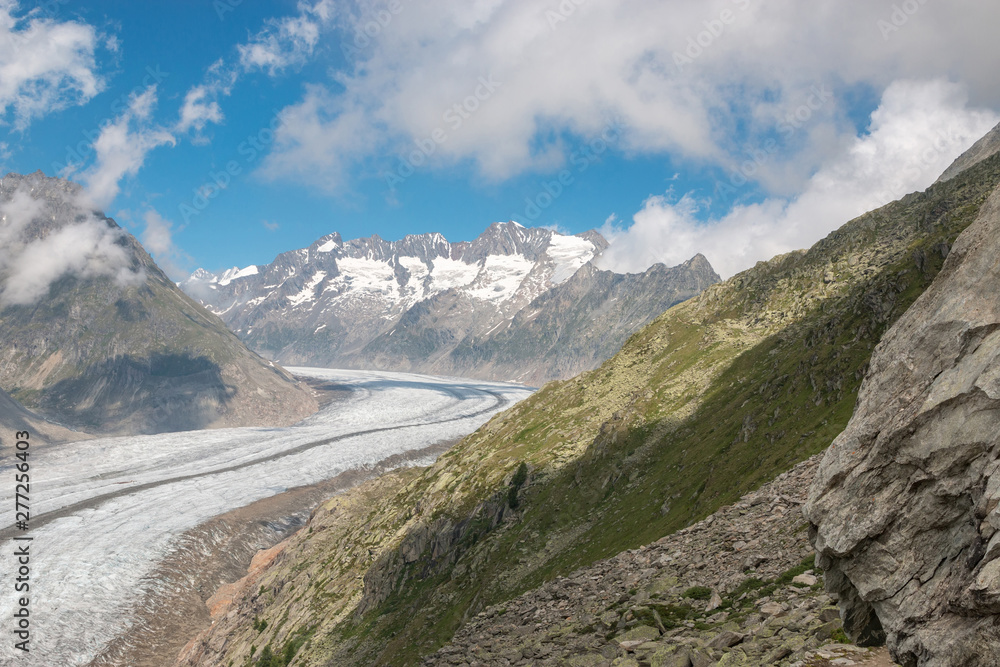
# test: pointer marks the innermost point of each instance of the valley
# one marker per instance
(98, 537)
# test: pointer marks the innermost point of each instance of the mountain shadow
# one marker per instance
(155, 394)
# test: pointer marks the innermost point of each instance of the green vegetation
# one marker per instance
(698, 593)
(270, 659)
(754, 589)
(520, 477)
(714, 398)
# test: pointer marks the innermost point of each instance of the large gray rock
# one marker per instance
(905, 505)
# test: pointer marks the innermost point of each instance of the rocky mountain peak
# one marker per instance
(413, 304)
(95, 336)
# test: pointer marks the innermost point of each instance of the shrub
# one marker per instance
(698, 593)
(516, 482)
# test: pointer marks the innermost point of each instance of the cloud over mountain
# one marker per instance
(917, 131)
(43, 240)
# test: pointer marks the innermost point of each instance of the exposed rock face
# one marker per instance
(905, 505)
(522, 304)
(118, 353)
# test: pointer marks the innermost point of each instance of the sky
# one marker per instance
(223, 132)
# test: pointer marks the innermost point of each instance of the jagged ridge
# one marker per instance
(514, 304)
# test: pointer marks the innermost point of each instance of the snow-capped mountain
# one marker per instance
(420, 303)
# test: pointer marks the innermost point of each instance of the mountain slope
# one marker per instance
(515, 304)
(568, 329)
(125, 352)
(985, 148)
(15, 418)
(711, 400)
(905, 503)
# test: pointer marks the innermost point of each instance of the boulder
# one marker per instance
(904, 508)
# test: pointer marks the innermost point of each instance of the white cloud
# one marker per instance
(198, 111)
(157, 239)
(34, 253)
(282, 43)
(569, 72)
(919, 129)
(45, 65)
(122, 147)
(288, 41)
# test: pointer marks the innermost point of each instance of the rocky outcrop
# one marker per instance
(905, 506)
(735, 589)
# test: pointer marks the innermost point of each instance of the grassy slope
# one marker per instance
(715, 397)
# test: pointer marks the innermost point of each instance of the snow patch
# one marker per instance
(371, 275)
(235, 274)
(308, 292)
(568, 253)
(500, 277)
(451, 273)
(329, 246)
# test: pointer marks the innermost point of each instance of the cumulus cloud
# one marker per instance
(695, 79)
(287, 41)
(919, 129)
(34, 253)
(198, 110)
(45, 65)
(122, 146)
(282, 43)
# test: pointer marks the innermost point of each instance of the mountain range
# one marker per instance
(516, 303)
(713, 399)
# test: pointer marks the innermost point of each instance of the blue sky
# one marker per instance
(736, 128)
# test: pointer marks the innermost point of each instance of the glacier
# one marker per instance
(105, 512)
